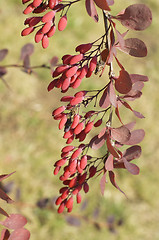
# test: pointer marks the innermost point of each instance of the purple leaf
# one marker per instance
(102, 132)
(3, 212)
(134, 47)
(130, 125)
(3, 71)
(5, 197)
(111, 149)
(137, 77)
(27, 49)
(118, 114)
(132, 153)
(4, 176)
(3, 53)
(137, 17)
(102, 183)
(131, 167)
(104, 101)
(112, 38)
(120, 134)
(138, 114)
(137, 86)
(136, 137)
(109, 163)
(91, 9)
(96, 142)
(112, 95)
(123, 83)
(112, 179)
(14, 221)
(20, 234)
(119, 165)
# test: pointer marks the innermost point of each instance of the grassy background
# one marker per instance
(30, 142)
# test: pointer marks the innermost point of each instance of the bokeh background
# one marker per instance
(30, 142)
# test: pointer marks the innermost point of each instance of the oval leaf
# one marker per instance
(3, 53)
(123, 83)
(132, 153)
(96, 142)
(20, 234)
(91, 9)
(109, 163)
(14, 221)
(104, 101)
(102, 183)
(136, 137)
(134, 47)
(102, 132)
(112, 94)
(137, 17)
(131, 167)
(27, 49)
(121, 134)
(3, 71)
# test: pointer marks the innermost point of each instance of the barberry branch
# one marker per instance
(76, 120)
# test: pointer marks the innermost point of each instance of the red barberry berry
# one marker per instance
(45, 41)
(61, 207)
(92, 171)
(69, 203)
(83, 48)
(36, 3)
(48, 16)
(52, 4)
(78, 198)
(83, 162)
(62, 23)
(86, 187)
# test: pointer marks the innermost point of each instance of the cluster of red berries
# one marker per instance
(75, 68)
(46, 23)
(78, 167)
(75, 176)
(75, 125)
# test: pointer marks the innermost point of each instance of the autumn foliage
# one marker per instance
(87, 111)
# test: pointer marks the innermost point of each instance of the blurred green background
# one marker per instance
(30, 142)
